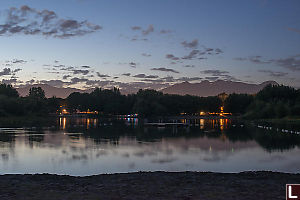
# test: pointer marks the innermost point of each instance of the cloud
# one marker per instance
(17, 61)
(172, 57)
(168, 79)
(294, 30)
(17, 70)
(146, 55)
(54, 83)
(204, 51)
(192, 44)
(254, 59)
(189, 66)
(135, 28)
(258, 60)
(273, 73)
(9, 71)
(135, 38)
(99, 83)
(150, 29)
(58, 66)
(165, 70)
(164, 31)
(78, 80)
(10, 81)
(102, 75)
(191, 55)
(81, 71)
(189, 79)
(218, 51)
(214, 72)
(29, 21)
(218, 75)
(145, 76)
(240, 59)
(132, 64)
(66, 77)
(30, 81)
(67, 68)
(291, 63)
(211, 78)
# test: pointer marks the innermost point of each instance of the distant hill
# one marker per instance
(51, 91)
(206, 88)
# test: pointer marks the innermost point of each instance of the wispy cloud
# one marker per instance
(291, 63)
(145, 76)
(149, 30)
(274, 73)
(218, 75)
(144, 32)
(132, 64)
(192, 44)
(102, 75)
(29, 21)
(165, 70)
(165, 31)
(172, 57)
(9, 71)
(294, 30)
(126, 74)
(146, 55)
(189, 66)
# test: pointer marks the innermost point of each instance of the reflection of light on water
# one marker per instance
(202, 123)
(95, 122)
(88, 123)
(183, 121)
(222, 124)
(62, 122)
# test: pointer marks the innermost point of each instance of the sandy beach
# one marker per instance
(148, 185)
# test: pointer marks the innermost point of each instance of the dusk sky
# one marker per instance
(148, 44)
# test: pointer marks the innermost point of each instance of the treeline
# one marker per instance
(271, 102)
(275, 102)
(11, 104)
(144, 103)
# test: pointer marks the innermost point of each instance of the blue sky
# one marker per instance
(148, 44)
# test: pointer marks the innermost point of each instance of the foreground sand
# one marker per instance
(148, 185)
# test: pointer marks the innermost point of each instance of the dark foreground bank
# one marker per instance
(148, 185)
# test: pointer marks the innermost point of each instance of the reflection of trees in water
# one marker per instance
(111, 131)
(271, 141)
(35, 140)
(274, 141)
(7, 146)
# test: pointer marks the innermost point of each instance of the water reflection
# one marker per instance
(80, 146)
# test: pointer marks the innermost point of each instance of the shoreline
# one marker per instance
(148, 185)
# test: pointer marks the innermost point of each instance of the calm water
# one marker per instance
(94, 146)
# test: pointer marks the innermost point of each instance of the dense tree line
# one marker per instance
(275, 101)
(11, 104)
(271, 102)
(145, 103)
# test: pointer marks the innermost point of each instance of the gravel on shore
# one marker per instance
(148, 185)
